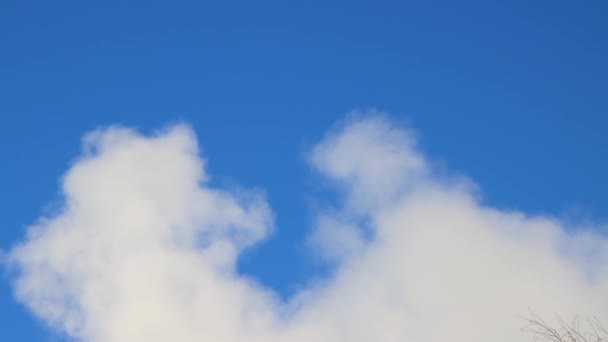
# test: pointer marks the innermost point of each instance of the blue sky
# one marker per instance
(510, 94)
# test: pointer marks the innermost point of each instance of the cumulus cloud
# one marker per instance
(144, 249)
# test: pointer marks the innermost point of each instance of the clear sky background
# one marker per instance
(513, 94)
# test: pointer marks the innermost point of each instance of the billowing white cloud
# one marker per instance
(145, 249)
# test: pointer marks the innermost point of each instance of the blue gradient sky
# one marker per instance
(512, 94)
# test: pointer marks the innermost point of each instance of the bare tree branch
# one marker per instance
(563, 331)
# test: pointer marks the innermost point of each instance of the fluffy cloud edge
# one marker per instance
(145, 249)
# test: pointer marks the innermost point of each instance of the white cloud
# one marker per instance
(145, 250)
